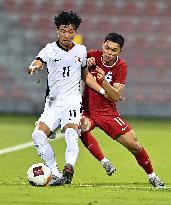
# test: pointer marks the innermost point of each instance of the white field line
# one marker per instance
(113, 187)
(22, 146)
(134, 187)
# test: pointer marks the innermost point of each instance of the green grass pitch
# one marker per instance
(91, 185)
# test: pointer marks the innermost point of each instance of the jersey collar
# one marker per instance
(109, 65)
(57, 43)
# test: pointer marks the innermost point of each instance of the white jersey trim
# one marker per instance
(109, 65)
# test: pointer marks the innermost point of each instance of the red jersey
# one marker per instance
(94, 102)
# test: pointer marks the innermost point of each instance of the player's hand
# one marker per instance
(91, 61)
(33, 68)
(100, 75)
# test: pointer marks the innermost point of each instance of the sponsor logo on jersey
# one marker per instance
(77, 59)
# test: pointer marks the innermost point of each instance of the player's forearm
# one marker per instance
(111, 92)
(92, 83)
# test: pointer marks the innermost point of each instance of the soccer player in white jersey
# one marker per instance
(66, 64)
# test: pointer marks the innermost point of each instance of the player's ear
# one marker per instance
(57, 31)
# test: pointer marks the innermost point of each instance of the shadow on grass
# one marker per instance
(116, 186)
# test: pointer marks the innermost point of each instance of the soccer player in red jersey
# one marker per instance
(110, 71)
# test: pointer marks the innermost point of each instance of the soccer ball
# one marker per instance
(39, 175)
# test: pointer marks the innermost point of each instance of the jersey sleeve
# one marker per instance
(43, 55)
(121, 74)
(84, 60)
(90, 54)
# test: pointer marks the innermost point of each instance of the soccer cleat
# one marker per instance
(56, 181)
(109, 168)
(66, 178)
(156, 182)
(68, 173)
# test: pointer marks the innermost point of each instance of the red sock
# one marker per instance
(144, 161)
(92, 145)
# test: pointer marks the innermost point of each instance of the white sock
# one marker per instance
(55, 171)
(72, 149)
(151, 175)
(45, 151)
(104, 160)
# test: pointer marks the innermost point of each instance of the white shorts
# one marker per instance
(60, 113)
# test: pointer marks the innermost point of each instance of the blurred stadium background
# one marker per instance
(27, 25)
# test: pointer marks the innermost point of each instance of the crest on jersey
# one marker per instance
(108, 77)
(77, 59)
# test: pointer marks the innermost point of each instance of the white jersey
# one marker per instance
(64, 69)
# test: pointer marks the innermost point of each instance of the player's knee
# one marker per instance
(85, 124)
(136, 148)
(39, 137)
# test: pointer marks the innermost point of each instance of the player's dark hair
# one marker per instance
(66, 18)
(115, 38)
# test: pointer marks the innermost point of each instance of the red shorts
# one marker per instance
(113, 125)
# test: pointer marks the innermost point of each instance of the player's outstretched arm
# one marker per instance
(36, 65)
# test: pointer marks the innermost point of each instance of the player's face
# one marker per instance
(110, 51)
(66, 35)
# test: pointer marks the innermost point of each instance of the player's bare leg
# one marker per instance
(44, 149)
(93, 146)
(130, 141)
(85, 124)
